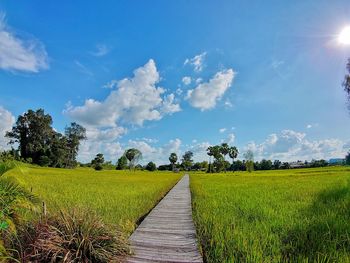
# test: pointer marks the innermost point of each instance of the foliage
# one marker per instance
(133, 155)
(40, 143)
(187, 161)
(108, 166)
(347, 158)
(215, 151)
(285, 165)
(74, 134)
(219, 153)
(277, 164)
(151, 166)
(238, 165)
(98, 161)
(346, 83)
(265, 164)
(165, 167)
(249, 156)
(14, 200)
(122, 163)
(74, 235)
(224, 149)
(173, 160)
(299, 215)
(233, 153)
(200, 166)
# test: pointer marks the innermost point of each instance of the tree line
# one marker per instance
(217, 162)
(39, 143)
(34, 140)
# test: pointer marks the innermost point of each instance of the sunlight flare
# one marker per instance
(344, 36)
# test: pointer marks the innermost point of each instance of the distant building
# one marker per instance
(336, 161)
(298, 164)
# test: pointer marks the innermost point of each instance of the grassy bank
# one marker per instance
(297, 215)
(119, 197)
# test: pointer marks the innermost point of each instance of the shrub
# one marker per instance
(98, 167)
(74, 236)
(151, 166)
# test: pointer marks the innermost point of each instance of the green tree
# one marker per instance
(285, 165)
(98, 161)
(346, 83)
(151, 166)
(238, 166)
(187, 161)
(38, 142)
(224, 149)
(74, 134)
(58, 152)
(210, 154)
(219, 160)
(265, 164)
(233, 153)
(122, 163)
(33, 133)
(277, 164)
(133, 155)
(347, 159)
(249, 156)
(173, 160)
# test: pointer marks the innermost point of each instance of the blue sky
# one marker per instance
(181, 75)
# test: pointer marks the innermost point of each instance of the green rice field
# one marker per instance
(300, 215)
(119, 197)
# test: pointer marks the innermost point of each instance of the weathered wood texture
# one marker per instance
(168, 234)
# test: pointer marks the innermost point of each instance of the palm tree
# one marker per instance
(210, 153)
(173, 160)
(133, 155)
(233, 153)
(224, 149)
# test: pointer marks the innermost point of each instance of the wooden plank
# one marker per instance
(168, 234)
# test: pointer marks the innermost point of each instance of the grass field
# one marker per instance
(120, 197)
(300, 215)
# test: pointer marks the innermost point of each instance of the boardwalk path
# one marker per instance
(167, 234)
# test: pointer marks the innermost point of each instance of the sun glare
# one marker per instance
(344, 36)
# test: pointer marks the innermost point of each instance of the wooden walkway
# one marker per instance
(168, 234)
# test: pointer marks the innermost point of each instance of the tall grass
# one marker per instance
(119, 197)
(74, 235)
(276, 216)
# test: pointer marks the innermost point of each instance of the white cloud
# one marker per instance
(231, 138)
(199, 80)
(101, 50)
(159, 155)
(197, 61)
(18, 53)
(179, 91)
(289, 145)
(83, 68)
(186, 80)
(6, 122)
(222, 130)
(309, 126)
(169, 105)
(133, 101)
(205, 95)
(89, 148)
(200, 151)
(109, 134)
(276, 63)
(228, 104)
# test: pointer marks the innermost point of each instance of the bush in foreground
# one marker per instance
(74, 236)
